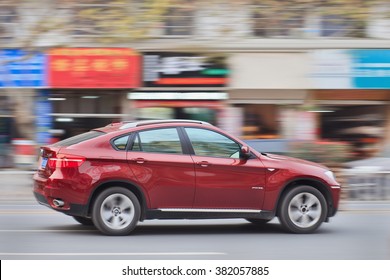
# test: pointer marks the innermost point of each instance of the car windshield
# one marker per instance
(79, 138)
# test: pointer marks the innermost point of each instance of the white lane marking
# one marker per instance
(117, 254)
(47, 230)
(23, 212)
(22, 205)
(16, 172)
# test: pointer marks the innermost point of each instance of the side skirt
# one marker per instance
(190, 213)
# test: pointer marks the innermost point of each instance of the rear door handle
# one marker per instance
(203, 163)
(138, 160)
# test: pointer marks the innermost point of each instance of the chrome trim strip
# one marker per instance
(335, 187)
(209, 210)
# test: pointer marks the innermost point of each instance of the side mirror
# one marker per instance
(245, 152)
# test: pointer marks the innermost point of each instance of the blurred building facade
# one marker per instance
(260, 72)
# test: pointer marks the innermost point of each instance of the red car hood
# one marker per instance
(297, 160)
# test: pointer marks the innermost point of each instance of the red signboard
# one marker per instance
(94, 68)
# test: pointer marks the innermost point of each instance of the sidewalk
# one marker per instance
(16, 185)
(14, 171)
(364, 205)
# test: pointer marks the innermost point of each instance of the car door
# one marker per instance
(223, 179)
(162, 169)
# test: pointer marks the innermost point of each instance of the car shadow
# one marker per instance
(177, 229)
(144, 229)
(223, 229)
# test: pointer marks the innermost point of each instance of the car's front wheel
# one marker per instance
(116, 211)
(303, 209)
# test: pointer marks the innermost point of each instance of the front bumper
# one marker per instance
(335, 192)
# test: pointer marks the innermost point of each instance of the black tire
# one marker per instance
(258, 222)
(302, 209)
(116, 211)
(83, 220)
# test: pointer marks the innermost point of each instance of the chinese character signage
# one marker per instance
(94, 68)
(350, 69)
(22, 69)
(184, 69)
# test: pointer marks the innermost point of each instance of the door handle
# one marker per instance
(203, 163)
(138, 160)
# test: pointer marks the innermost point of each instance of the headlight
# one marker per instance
(330, 175)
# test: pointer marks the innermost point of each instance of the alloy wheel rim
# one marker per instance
(117, 211)
(304, 210)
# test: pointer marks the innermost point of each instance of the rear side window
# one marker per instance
(121, 142)
(79, 138)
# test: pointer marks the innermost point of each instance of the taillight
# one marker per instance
(65, 161)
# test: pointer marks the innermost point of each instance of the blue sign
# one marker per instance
(43, 119)
(371, 69)
(21, 69)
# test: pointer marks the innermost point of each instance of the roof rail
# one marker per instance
(149, 122)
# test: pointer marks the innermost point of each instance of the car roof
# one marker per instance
(133, 124)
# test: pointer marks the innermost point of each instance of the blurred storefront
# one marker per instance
(180, 85)
(6, 119)
(22, 74)
(89, 87)
(352, 97)
(268, 89)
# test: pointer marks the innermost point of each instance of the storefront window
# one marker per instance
(155, 113)
(77, 112)
(277, 22)
(92, 18)
(8, 20)
(260, 122)
(179, 20)
(5, 132)
(361, 126)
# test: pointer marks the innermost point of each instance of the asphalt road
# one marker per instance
(31, 231)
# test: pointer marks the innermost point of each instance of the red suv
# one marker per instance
(115, 176)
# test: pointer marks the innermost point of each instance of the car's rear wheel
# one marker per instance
(116, 211)
(84, 221)
(303, 209)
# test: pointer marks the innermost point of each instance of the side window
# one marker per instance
(209, 143)
(121, 143)
(164, 140)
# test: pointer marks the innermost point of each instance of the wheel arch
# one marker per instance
(317, 184)
(119, 183)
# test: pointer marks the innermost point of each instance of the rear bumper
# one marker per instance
(45, 195)
(72, 210)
